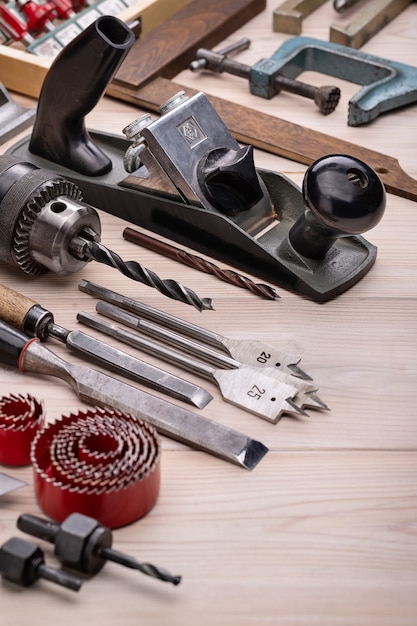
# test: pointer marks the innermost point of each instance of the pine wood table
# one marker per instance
(324, 531)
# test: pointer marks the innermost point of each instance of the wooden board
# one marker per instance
(24, 73)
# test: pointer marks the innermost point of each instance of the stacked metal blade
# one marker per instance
(21, 416)
(102, 463)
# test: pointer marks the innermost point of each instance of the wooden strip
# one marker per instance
(24, 73)
(374, 16)
(152, 12)
(199, 24)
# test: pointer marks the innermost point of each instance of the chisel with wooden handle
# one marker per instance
(36, 321)
(98, 389)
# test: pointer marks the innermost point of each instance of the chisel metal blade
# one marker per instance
(98, 389)
(129, 366)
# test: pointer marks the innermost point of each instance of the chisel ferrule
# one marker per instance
(22, 356)
(37, 322)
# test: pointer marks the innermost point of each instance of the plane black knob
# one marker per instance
(343, 196)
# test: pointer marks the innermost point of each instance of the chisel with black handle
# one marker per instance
(98, 389)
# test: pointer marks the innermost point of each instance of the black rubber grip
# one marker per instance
(12, 343)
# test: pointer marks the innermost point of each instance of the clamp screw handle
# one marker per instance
(326, 98)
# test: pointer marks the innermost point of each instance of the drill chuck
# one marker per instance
(45, 225)
(40, 215)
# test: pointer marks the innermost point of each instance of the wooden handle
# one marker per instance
(14, 307)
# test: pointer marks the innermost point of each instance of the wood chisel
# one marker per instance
(36, 321)
(249, 351)
(249, 388)
(98, 389)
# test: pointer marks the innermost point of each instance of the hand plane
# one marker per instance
(185, 177)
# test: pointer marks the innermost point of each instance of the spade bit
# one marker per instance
(305, 396)
(248, 388)
(249, 351)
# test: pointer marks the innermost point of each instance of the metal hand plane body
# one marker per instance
(186, 178)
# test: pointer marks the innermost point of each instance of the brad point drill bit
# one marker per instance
(45, 225)
(198, 263)
(93, 250)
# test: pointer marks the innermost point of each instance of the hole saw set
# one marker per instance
(186, 172)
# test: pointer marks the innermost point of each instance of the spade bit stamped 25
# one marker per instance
(256, 390)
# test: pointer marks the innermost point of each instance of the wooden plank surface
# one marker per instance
(24, 73)
(324, 531)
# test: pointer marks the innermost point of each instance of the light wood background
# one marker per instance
(324, 531)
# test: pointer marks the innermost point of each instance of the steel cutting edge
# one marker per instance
(99, 389)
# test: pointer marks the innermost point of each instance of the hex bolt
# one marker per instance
(131, 159)
(83, 544)
(23, 563)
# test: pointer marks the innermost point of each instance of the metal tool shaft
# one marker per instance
(249, 388)
(98, 389)
(149, 569)
(130, 367)
(247, 351)
(306, 390)
(36, 321)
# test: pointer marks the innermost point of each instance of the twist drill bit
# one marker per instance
(200, 264)
(83, 247)
(145, 568)
(45, 225)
